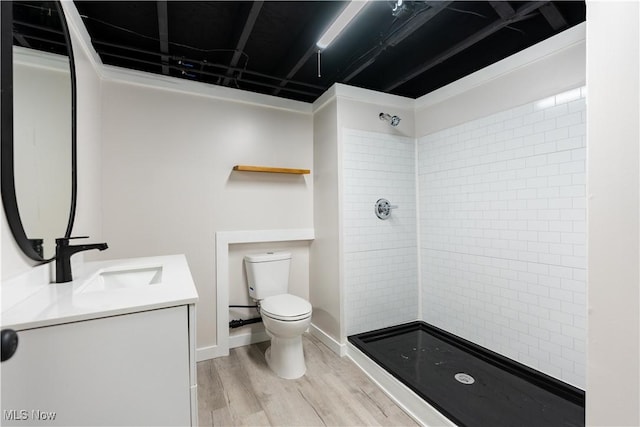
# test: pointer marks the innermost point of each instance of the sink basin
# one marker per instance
(126, 278)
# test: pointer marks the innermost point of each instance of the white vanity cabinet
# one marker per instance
(134, 369)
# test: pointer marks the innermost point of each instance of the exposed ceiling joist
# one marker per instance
(397, 37)
(303, 59)
(244, 37)
(163, 32)
(503, 9)
(22, 41)
(520, 13)
(553, 16)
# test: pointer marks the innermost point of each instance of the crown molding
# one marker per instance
(553, 45)
(354, 93)
(141, 78)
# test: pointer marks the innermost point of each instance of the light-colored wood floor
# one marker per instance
(241, 390)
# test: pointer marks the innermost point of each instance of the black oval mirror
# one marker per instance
(38, 125)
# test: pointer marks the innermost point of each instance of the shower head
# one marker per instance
(393, 120)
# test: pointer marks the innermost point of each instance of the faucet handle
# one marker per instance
(65, 240)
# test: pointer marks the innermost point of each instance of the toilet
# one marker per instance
(285, 316)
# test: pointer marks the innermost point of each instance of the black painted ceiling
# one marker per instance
(269, 47)
(37, 25)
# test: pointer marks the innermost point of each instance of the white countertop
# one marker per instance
(33, 303)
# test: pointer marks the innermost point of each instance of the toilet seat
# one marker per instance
(285, 307)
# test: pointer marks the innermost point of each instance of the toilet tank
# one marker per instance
(267, 274)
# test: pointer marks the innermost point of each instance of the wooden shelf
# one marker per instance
(247, 168)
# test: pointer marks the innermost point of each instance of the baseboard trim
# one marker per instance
(210, 352)
(247, 339)
(328, 340)
(403, 396)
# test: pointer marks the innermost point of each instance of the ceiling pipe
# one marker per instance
(520, 14)
(208, 73)
(163, 32)
(256, 6)
(193, 61)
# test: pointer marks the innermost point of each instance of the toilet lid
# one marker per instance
(285, 307)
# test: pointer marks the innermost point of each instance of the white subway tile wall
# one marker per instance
(380, 256)
(502, 204)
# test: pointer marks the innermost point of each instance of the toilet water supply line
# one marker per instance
(242, 322)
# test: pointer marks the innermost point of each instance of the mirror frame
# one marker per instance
(9, 200)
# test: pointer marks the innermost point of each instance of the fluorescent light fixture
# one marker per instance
(340, 23)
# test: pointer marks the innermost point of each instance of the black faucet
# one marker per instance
(63, 256)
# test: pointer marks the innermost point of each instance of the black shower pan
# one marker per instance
(469, 384)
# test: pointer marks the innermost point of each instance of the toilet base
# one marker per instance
(285, 357)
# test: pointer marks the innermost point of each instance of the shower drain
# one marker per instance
(464, 378)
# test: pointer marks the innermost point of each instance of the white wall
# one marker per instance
(380, 256)
(168, 183)
(613, 129)
(503, 233)
(325, 293)
(366, 143)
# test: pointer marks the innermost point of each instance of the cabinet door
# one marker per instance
(122, 370)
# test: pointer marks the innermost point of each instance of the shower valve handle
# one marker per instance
(383, 208)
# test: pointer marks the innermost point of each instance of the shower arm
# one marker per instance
(393, 120)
